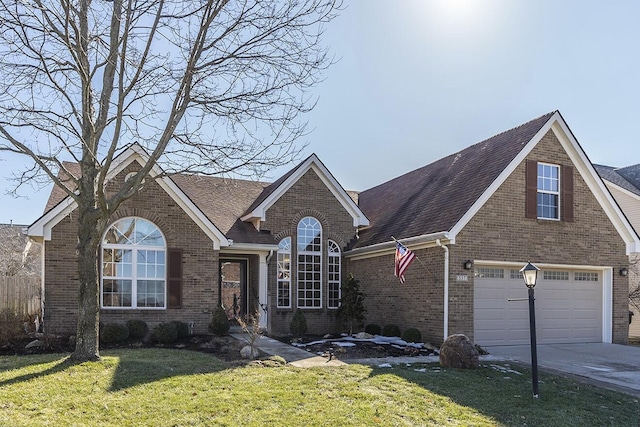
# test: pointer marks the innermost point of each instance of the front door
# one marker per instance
(232, 293)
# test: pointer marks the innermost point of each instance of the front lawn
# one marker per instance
(182, 388)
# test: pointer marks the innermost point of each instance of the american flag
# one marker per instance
(404, 258)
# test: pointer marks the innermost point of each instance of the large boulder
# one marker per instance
(459, 352)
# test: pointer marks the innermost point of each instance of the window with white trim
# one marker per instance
(548, 191)
(555, 275)
(133, 265)
(488, 272)
(309, 255)
(284, 273)
(334, 264)
(585, 276)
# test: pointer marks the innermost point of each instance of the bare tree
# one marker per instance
(18, 256)
(205, 86)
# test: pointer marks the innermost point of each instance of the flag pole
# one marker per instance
(416, 257)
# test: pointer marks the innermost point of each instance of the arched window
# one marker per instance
(309, 263)
(334, 263)
(284, 273)
(133, 265)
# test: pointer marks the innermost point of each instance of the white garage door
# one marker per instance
(568, 306)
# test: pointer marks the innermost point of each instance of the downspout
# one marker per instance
(446, 289)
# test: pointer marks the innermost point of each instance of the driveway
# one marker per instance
(611, 366)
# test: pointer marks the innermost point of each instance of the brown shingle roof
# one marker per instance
(223, 201)
(435, 197)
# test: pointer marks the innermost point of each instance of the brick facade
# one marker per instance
(200, 266)
(498, 232)
(307, 197)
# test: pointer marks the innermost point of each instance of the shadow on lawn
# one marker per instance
(504, 393)
(135, 367)
(61, 365)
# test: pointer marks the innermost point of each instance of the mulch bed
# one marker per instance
(226, 347)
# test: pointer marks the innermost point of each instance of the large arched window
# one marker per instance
(133, 265)
(309, 254)
(333, 282)
(284, 273)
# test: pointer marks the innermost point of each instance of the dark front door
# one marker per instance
(233, 287)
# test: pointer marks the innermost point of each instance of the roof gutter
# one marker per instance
(446, 289)
(413, 243)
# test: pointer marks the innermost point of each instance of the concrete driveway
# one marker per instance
(611, 366)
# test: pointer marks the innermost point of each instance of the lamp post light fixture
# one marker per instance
(530, 275)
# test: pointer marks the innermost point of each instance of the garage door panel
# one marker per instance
(566, 311)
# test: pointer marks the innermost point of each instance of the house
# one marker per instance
(624, 185)
(184, 244)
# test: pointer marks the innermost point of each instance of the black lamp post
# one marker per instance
(530, 275)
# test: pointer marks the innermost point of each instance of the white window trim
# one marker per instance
(282, 252)
(134, 268)
(333, 255)
(556, 193)
(300, 253)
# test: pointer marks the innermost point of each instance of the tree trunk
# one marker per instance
(87, 338)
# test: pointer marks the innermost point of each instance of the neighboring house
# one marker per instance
(624, 185)
(528, 194)
(19, 256)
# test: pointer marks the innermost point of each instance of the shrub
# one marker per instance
(373, 329)
(10, 326)
(114, 332)
(219, 323)
(182, 328)
(412, 335)
(164, 333)
(351, 310)
(390, 331)
(298, 325)
(137, 328)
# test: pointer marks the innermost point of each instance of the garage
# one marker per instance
(569, 306)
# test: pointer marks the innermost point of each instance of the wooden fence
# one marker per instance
(21, 294)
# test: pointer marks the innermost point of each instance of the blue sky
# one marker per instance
(417, 80)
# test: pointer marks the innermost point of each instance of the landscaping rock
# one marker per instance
(459, 352)
(249, 353)
(35, 344)
(363, 336)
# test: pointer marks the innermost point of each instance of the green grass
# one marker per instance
(181, 388)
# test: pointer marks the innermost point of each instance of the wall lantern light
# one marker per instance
(624, 271)
(468, 264)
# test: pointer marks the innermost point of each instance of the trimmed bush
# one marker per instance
(412, 335)
(390, 331)
(114, 332)
(137, 328)
(164, 333)
(10, 326)
(219, 324)
(298, 325)
(182, 328)
(373, 329)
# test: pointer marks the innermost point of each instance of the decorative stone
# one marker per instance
(363, 336)
(249, 353)
(35, 344)
(459, 352)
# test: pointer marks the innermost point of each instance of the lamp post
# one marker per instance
(530, 275)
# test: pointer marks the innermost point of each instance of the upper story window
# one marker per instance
(309, 264)
(549, 191)
(133, 265)
(548, 205)
(284, 273)
(333, 282)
